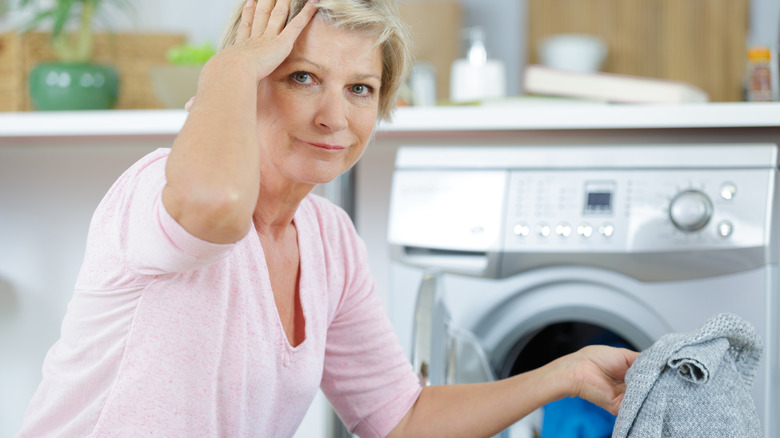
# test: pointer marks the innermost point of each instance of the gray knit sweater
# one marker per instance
(694, 384)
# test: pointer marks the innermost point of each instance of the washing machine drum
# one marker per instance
(568, 417)
(542, 346)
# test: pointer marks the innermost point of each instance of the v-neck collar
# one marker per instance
(302, 282)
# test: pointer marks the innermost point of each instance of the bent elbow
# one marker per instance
(217, 216)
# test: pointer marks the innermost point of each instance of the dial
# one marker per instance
(690, 210)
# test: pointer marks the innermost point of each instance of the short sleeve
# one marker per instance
(132, 233)
(172, 248)
(156, 242)
(367, 377)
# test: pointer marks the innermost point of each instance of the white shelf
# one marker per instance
(91, 123)
(585, 116)
(504, 117)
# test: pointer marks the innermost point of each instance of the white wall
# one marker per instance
(765, 22)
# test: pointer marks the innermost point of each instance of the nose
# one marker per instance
(332, 111)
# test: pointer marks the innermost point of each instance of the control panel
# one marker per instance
(637, 210)
(653, 212)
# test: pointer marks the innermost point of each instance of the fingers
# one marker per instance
(600, 375)
(263, 12)
(261, 16)
(300, 21)
(266, 34)
(245, 25)
(277, 19)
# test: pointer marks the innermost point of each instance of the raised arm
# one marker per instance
(484, 409)
(213, 171)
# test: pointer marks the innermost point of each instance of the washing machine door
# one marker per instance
(469, 329)
(500, 313)
(442, 353)
(479, 329)
(422, 331)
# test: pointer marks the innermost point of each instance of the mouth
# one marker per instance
(327, 146)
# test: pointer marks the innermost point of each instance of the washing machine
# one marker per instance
(505, 258)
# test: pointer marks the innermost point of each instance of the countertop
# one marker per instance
(423, 120)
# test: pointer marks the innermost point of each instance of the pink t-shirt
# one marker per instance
(169, 335)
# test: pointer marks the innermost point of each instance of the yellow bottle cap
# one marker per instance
(758, 54)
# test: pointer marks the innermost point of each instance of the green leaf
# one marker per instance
(62, 15)
(66, 15)
(36, 20)
(190, 54)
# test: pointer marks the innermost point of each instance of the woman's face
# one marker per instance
(317, 110)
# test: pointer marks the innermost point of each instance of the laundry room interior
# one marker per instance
(558, 173)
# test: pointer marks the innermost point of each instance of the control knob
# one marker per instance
(690, 210)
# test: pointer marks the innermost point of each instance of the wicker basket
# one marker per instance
(12, 82)
(131, 54)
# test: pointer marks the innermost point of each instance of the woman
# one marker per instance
(217, 294)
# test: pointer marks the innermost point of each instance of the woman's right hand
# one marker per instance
(264, 36)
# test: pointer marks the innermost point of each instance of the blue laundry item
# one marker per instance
(576, 418)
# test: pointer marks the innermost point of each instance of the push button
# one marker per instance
(728, 190)
(584, 230)
(607, 230)
(521, 230)
(563, 230)
(725, 229)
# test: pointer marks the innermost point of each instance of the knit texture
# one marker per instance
(694, 384)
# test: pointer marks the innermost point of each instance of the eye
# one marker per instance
(301, 77)
(362, 89)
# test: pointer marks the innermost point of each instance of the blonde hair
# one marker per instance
(380, 17)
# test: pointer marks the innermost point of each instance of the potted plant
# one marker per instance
(73, 82)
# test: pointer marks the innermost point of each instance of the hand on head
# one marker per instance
(264, 36)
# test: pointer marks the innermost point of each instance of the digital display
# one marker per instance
(599, 197)
(599, 200)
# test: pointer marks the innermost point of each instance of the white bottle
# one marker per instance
(476, 77)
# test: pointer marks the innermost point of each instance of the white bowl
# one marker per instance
(575, 52)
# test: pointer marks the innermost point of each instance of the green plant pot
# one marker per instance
(59, 86)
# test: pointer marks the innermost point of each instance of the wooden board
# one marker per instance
(702, 42)
(435, 27)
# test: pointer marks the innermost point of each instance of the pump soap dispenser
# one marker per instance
(476, 77)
